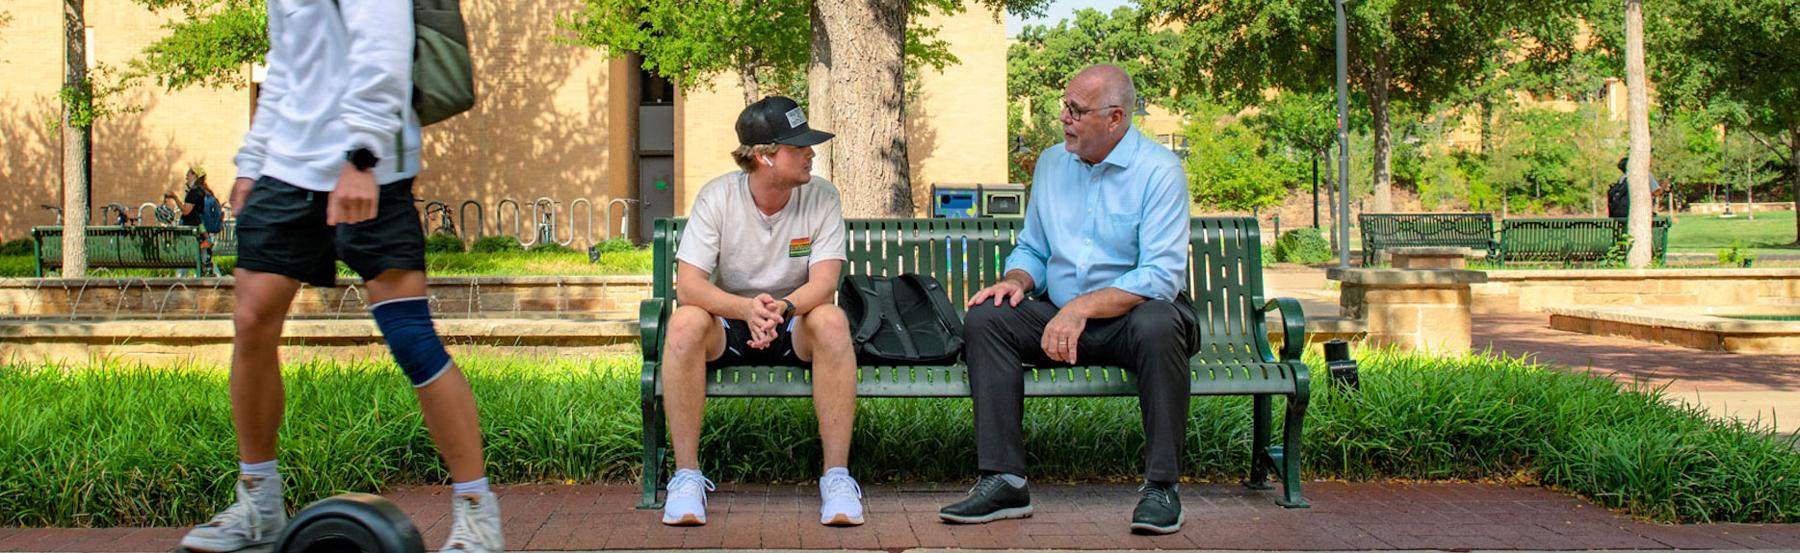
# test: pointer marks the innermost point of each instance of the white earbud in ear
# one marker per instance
(767, 161)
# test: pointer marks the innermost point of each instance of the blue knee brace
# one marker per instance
(406, 323)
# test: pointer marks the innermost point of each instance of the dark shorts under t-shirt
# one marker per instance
(281, 229)
(780, 352)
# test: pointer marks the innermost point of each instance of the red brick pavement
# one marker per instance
(1219, 516)
(1529, 334)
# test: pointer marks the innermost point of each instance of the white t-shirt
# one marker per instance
(749, 253)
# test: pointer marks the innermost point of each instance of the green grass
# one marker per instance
(117, 445)
(628, 262)
(1770, 232)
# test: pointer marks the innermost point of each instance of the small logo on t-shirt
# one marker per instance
(800, 247)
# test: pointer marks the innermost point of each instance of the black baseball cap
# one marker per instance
(777, 120)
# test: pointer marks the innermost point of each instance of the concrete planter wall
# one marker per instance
(1537, 291)
(609, 297)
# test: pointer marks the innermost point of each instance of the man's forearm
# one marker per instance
(1105, 303)
(714, 300)
(811, 296)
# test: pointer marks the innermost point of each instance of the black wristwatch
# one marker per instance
(361, 158)
(789, 312)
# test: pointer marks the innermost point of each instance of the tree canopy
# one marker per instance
(1417, 52)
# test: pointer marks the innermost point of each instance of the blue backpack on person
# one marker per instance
(212, 215)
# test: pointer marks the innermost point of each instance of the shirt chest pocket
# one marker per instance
(1119, 231)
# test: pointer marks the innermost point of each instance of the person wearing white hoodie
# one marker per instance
(326, 174)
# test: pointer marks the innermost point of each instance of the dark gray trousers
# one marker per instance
(1154, 341)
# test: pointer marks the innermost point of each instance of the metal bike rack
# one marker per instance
(480, 228)
(499, 218)
(589, 210)
(624, 218)
(543, 219)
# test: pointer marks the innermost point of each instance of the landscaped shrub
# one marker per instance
(115, 445)
(550, 247)
(496, 244)
(1302, 246)
(443, 242)
(614, 245)
(22, 246)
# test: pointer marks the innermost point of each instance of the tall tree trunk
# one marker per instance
(75, 144)
(1794, 170)
(1637, 169)
(867, 70)
(1378, 116)
(818, 91)
(752, 84)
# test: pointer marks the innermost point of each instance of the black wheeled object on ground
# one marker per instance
(347, 523)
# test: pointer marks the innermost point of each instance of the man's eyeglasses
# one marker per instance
(1076, 112)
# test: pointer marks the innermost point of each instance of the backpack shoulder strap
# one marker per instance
(865, 291)
(890, 314)
(939, 301)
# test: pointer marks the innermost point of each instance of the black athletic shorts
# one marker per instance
(281, 229)
(738, 351)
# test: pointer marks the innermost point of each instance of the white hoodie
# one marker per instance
(339, 78)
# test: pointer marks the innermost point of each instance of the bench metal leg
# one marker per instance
(1260, 461)
(654, 439)
(1288, 462)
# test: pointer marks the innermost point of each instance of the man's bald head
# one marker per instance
(1110, 84)
(1097, 111)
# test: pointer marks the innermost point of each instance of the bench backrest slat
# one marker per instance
(125, 247)
(1224, 268)
(1571, 239)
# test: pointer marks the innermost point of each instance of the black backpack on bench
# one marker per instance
(901, 320)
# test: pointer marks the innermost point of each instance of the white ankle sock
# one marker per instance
(477, 487)
(265, 469)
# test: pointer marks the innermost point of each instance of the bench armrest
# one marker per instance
(653, 316)
(1293, 326)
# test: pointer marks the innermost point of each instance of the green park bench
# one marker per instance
(1570, 241)
(127, 247)
(1381, 231)
(1225, 282)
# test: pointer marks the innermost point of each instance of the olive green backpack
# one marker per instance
(443, 72)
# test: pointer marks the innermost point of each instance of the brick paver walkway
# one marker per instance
(1530, 334)
(1220, 516)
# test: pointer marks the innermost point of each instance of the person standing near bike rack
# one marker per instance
(326, 174)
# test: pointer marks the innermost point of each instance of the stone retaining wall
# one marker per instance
(1536, 290)
(612, 297)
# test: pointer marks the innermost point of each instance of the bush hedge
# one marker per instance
(115, 445)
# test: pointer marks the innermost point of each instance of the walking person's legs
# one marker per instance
(258, 515)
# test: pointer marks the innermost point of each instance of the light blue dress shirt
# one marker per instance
(1121, 223)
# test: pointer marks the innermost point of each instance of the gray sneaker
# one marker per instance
(257, 517)
(477, 525)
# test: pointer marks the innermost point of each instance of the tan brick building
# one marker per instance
(555, 121)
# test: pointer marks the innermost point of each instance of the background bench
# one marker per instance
(124, 247)
(1571, 240)
(1382, 231)
(1225, 283)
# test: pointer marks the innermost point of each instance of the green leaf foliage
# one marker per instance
(496, 244)
(1303, 246)
(1229, 165)
(440, 242)
(207, 47)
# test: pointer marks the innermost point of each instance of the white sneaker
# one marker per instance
(840, 501)
(477, 525)
(686, 505)
(256, 517)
